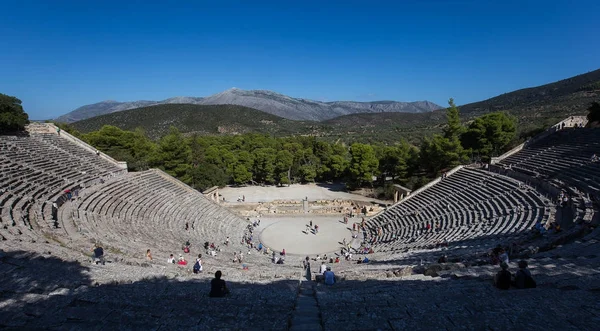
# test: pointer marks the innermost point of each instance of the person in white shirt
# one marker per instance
(323, 268)
(171, 259)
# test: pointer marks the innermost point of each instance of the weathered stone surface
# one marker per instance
(406, 271)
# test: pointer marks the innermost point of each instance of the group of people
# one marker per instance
(325, 258)
(310, 228)
(238, 257)
(179, 261)
(211, 249)
(278, 259)
(522, 279)
(325, 272)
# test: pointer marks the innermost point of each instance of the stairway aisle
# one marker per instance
(307, 315)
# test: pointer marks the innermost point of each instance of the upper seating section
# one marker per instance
(565, 155)
(35, 169)
(464, 206)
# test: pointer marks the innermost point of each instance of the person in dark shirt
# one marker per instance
(523, 277)
(218, 288)
(503, 277)
(98, 254)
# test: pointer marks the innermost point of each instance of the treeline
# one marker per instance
(12, 116)
(205, 161)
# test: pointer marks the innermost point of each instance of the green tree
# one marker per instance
(205, 175)
(12, 116)
(283, 166)
(241, 175)
(173, 155)
(454, 127)
(338, 165)
(363, 164)
(594, 112)
(309, 165)
(393, 161)
(245, 158)
(141, 149)
(440, 153)
(308, 172)
(264, 165)
(490, 134)
(132, 147)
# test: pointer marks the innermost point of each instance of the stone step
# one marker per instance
(307, 314)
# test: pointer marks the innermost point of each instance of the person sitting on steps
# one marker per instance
(502, 279)
(523, 277)
(329, 276)
(323, 268)
(181, 261)
(218, 288)
(98, 254)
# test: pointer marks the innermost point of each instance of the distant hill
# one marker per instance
(267, 101)
(231, 119)
(575, 88)
(201, 119)
(544, 105)
(111, 106)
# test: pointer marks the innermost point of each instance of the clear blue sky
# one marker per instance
(59, 55)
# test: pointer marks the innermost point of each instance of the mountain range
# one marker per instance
(535, 108)
(266, 101)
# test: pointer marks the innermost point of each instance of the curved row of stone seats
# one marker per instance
(114, 296)
(464, 206)
(150, 210)
(35, 170)
(565, 155)
(424, 303)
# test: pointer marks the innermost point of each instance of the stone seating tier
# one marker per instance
(465, 206)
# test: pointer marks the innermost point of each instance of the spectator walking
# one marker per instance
(306, 266)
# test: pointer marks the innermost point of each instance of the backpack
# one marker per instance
(197, 267)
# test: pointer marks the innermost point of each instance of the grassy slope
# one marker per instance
(218, 119)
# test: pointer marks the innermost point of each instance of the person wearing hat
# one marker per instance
(503, 277)
(329, 276)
